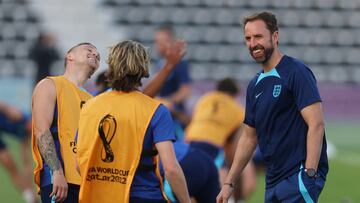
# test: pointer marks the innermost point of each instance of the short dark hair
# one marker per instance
(72, 48)
(166, 28)
(101, 81)
(268, 18)
(228, 85)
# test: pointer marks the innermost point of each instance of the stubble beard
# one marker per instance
(267, 53)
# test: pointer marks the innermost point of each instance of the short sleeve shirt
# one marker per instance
(273, 103)
(161, 128)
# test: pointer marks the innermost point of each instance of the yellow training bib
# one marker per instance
(216, 116)
(111, 133)
(69, 99)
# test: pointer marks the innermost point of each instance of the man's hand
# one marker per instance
(60, 186)
(12, 113)
(224, 194)
(175, 52)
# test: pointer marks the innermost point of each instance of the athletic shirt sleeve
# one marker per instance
(302, 84)
(249, 109)
(162, 125)
(182, 72)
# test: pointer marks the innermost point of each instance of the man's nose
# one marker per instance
(253, 43)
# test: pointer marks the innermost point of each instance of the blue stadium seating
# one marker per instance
(18, 29)
(323, 33)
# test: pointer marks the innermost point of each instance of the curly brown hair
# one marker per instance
(128, 63)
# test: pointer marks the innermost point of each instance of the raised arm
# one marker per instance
(11, 112)
(183, 93)
(44, 99)
(173, 171)
(244, 151)
(174, 54)
(313, 116)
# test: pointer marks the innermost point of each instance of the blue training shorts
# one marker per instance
(16, 129)
(296, 188)
(201, 176)
(72, 196)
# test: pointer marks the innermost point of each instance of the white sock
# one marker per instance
(28, 196)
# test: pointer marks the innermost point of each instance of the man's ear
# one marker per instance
(275, 37)
(69, 57)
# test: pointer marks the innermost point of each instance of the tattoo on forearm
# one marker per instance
(47, 149)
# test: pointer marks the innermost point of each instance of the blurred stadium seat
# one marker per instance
(334, 56)
(181, 16)
(354, 19)
(314, 30)
(345, 37)
(312, 55)
(355, 75)
(18, 28)
(353, 56)
(322, 37)
(334, 19)
(190, 3)
(290, 18)
(203, 16)
(325, 4)
(349, 4)
(213, 35)
(280, 4)
(312, 18)
(338, 75)
(303, 4)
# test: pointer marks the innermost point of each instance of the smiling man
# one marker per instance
(284, 116)
(56, 108)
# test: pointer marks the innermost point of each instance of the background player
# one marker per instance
(214, 127)
(14, 123)
(176, 88)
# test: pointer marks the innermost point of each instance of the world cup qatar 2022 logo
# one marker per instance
(107, 131)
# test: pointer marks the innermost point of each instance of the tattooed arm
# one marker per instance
(44, 100)
(47, 149)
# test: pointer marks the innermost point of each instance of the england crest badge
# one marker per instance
(276, 90)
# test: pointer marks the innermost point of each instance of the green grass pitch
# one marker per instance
(342, 185)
